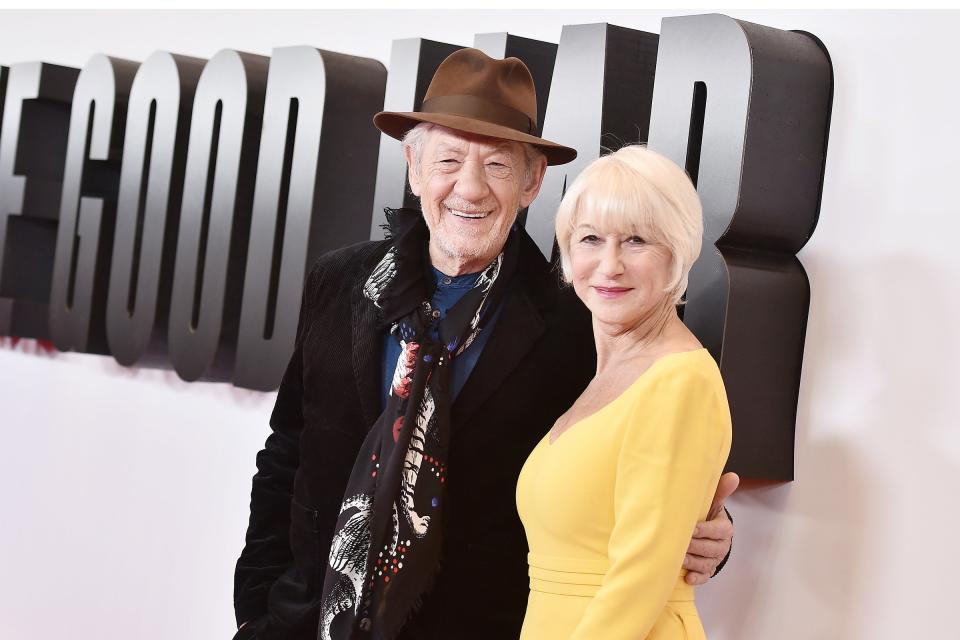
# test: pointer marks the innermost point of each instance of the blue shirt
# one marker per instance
(448, 292)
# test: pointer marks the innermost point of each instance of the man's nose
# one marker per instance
(472, 182)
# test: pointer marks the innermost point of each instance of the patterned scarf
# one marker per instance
(386, 546)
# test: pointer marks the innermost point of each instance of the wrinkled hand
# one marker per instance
(711, 539)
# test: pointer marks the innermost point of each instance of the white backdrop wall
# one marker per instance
(124, 492)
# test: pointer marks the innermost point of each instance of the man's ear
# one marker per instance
(412, 176)
(530, 190)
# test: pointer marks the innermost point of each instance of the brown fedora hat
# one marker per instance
(475, 93)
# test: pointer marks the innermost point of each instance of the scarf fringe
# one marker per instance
(391, 634)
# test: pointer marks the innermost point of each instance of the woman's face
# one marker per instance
(619, 276)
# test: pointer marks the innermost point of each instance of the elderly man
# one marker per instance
(426, 368)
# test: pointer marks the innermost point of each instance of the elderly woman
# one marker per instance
(611, 494)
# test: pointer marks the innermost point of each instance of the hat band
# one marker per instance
(480, 109)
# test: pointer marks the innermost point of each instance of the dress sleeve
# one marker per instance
(674, 447)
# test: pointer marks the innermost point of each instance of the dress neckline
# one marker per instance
(552, 441)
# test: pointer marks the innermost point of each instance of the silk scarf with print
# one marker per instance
(386, 546)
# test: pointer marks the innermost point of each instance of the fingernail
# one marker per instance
(696, 531)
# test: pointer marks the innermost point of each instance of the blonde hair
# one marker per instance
(637, 191)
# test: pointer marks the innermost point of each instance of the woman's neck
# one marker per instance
(617, 344)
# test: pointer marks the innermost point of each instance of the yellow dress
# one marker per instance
(609, 508)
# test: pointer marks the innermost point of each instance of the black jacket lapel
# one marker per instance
(520, 325)
(367, 345)
(518, 328)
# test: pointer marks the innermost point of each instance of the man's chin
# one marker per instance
(466, 245)
(464, 254)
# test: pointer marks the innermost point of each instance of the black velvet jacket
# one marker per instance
(537, 361)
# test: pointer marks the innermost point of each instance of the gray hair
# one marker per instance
(415, 138)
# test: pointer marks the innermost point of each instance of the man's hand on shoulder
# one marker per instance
(712, 539)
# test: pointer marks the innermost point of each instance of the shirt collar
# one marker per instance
(444, 281)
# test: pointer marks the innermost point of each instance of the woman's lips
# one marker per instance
(611, 292)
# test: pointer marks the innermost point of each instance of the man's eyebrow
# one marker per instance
(449, 146)
(452, 147)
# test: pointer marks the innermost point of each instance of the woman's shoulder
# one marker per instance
(687, 379)
(683, 395)
(694, 367)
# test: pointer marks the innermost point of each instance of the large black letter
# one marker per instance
(412, 65)
(746, 110)
(215, 218)
(314, 191)
(148, 207)
(33, 140)
(599, 98)
(81, 270)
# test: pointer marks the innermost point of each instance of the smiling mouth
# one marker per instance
(611, 292)
(469, 215)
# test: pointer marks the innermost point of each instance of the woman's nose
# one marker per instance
(611, 262)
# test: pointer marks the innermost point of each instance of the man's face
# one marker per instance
(470, 189)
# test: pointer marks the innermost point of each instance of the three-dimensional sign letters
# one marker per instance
(166, 213)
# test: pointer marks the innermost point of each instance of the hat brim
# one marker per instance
(396, 125)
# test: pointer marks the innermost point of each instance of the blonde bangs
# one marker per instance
(614, 199)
